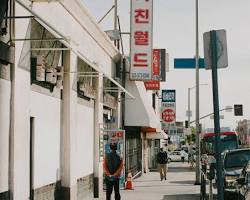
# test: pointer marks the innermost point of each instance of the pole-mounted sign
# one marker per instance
(168, 114)
(141, 40)
(215, 51)
(221, 48)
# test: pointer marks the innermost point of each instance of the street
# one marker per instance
(178, 186)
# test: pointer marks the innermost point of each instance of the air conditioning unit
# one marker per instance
(6, 54)
(3, 9)
(51, 75)
(59, 73)
(40, 68)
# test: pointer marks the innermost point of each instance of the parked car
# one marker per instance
(233, 163)
(175, 156)
(243, 183)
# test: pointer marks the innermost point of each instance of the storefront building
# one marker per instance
(53, 109)
(142, 124)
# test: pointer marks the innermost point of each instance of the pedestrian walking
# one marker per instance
(162, 160)
(112, 165)
(183, 155)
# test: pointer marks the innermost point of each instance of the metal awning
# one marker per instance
(73, 48)
(139, 111)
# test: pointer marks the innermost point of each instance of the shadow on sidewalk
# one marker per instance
(182, 182)
(182, 197)
(180, 169)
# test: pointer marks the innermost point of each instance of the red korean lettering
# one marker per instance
(141, 16)
(141, 38)
(140, 60)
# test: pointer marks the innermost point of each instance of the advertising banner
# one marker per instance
(141, 40)
(168, 106)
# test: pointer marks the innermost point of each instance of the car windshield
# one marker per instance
(226, 143)
(237, 159)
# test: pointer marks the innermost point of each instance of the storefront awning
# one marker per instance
(70, 46)
(159, 134)
(139, 111)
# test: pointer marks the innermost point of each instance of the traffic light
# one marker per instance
(238, 109)
(186, 124)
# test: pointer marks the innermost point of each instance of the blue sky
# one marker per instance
(174, 30)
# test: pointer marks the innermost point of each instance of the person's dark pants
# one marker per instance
(110, 185)
(183, 159)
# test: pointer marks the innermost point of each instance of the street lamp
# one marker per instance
(189, 111)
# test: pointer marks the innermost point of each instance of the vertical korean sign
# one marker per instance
(141, 40)
(168, 108)
(154, 84)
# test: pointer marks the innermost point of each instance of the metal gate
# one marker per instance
(133, 155)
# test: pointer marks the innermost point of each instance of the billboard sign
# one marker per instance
(141, 40)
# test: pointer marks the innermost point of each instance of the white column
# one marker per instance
(98, 161)
(68, 162)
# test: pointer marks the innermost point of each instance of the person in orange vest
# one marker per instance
(112, 166)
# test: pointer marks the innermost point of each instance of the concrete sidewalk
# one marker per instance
(178, 186)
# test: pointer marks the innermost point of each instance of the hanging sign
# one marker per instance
(154, 84)
(141, 40)
(168, 114)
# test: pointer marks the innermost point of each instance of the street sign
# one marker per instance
(189, 113)
(188, 63)
(221, 44)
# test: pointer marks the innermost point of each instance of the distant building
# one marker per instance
(243, 130)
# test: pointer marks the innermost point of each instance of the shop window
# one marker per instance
(46, 61)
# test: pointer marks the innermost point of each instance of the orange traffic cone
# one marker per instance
(129, 185)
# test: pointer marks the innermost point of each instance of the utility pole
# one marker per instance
(115, 20)
(197, 139)
(213, 45)
(189, 112)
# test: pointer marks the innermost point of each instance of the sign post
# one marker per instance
(216, 56)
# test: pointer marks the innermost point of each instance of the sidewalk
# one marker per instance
(178, 186)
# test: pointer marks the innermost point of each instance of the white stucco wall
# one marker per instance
(85, 138)
(21, 145)
(4, 133)
(46, 111)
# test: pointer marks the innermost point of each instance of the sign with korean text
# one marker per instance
(168, 96)
(141, 40)
(168, 114)
(154, 84)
